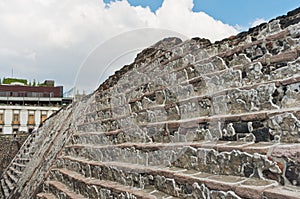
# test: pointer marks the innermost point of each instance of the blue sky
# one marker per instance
(233, 12)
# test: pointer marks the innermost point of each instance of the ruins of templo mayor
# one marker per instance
(187, 119)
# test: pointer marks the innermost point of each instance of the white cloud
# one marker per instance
(257, 22)
(50, 38)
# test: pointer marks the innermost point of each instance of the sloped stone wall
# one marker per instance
(9, 146)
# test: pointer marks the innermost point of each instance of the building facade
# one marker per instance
(23, 108)
(23, 118)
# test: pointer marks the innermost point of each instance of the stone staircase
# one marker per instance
(11, 175)
(185, 120)
(194, 120)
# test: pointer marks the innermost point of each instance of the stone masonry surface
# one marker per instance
(9, 146)
(187, 119)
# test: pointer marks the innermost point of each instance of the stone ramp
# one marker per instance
(186, 120)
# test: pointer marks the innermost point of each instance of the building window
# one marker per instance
(1, 130)
(15, 130)
(30, 130)
(3, 94)
(16, 119)
(29, 94)
(43, 117)
(15, 94)
(1, 118)
(46, 95)
(31, 119)
(22, 94)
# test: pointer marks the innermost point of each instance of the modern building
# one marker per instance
(23, 107)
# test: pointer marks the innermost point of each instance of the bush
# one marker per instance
(12, 80)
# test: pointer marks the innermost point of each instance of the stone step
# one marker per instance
(19, 167)
(173, 115)
(21, 160)
(213, 91)
(15, 171)
(21, 154)
(261, 124)
(275, 58)
(213, 51)
(220, 146)
(112, 188)
(237, 83)
(4, 188)
(179, 182)
(9, 184)
(194, 129)
(60, 190)
(147, 68)
(12, 176)
(185, 94)
(284, 72)
(285, 192)
(236, 49)
(224, 158)
(25, 155)
(45, 196)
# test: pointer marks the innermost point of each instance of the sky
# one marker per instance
(68, 40)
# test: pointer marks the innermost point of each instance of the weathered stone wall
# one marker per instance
(9, 146)
(186, 120)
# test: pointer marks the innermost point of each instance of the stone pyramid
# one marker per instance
(188, 119)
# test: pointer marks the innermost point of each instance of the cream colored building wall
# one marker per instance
(23, 111)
